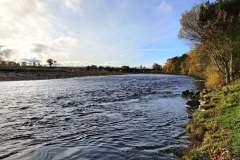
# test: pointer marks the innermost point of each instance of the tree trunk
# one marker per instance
(231, 67)
(227, 74)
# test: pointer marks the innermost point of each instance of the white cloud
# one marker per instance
(73, 4)
(107, 33)
(29, 31)
(22, 24)
(164, 7)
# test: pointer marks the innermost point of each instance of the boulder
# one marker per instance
(199, 134)
(193, 103)
(202, 102)
(187, 93)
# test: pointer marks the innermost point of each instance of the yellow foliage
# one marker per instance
(198, 61)
(214, 78)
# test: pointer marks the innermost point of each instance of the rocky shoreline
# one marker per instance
(197, 100)
(214, 126)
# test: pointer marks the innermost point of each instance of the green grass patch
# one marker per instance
(222, 125)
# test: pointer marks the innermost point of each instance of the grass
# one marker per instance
(219, 127)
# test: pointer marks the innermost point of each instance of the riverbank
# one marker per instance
(214, 130)
(10, 76)
(41, 73)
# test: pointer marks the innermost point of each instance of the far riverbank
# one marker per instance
(19, 73)
(15, 76)
(42, 73)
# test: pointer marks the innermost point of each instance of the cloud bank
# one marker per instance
(84, 32)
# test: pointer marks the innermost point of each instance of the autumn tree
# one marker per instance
(197, 62)
(215, 26)
(177, 65)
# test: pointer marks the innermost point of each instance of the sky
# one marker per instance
(92, 32)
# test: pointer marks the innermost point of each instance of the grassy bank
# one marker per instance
(215, 132)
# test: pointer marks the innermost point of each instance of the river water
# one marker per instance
(127, 117)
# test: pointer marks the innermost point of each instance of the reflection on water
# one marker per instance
(113, 117)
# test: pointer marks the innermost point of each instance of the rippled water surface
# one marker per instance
(125, 117)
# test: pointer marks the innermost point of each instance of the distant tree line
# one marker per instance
(53, 66)
(213, 29)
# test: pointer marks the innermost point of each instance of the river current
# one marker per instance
(126, 117)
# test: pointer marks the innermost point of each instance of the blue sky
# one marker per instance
(85, 32)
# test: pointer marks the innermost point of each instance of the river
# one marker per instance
(126, 117)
